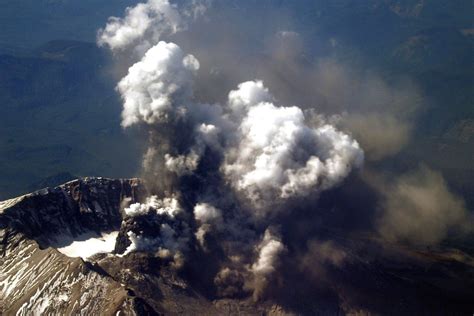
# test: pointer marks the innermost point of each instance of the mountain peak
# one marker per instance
(48, 265)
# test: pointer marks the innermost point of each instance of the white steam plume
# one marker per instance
(207, 214)
(182, 164)
(157, 85)
(208, 218)
(278, 155)
(171, 234)
(169, 206)
(146, 23)
(145, 20)
(248, 94)
(168, 245)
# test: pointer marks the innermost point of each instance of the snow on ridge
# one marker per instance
(93, 245)
(4, 205)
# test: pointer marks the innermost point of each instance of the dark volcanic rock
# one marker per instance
(35, 278)
(36, 281)
(146, 225)
(38, 277)
(79, 206)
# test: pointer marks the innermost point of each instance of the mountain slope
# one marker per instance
(46, 282)
(57, 256)
(36, 277)
(38, 229)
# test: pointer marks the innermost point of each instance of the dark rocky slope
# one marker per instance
(37, 278)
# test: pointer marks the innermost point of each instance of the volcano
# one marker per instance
(63, 252)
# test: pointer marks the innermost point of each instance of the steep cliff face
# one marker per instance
(35, 277)
(72, 209)
(37, 282)
(43, 236)
(62, 252)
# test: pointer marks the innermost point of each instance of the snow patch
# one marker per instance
(91, 246)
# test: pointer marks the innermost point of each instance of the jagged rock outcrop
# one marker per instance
(36, 278)
(44, 282)
(79, 206)
(37, 275)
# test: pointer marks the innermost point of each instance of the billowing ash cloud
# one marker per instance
(169, 206)
(224, 174)
(251, 157)
(269, 251)
(145, 20)
(278, 155)
(157, 86)
(420, 209)
(262, 154)
(209, 219)
(145, 23)
(248, 94)
(157, 225)
(205, 213)
(381, 135)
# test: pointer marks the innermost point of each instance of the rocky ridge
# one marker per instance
(37, 278)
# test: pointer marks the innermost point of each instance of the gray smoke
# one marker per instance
(268, 153)
(419, 208)
(231, 159)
